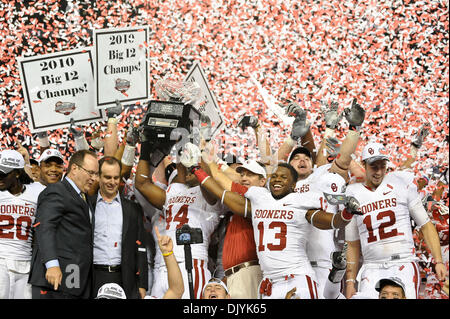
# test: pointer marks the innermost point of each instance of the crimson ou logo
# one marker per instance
(370, 150)
(334, 187)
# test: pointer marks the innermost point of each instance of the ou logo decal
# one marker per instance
(370, 150)
(334, 188)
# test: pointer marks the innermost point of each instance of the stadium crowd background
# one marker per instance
(390, 55)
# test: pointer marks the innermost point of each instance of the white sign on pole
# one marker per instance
(57, 87)
(121, 65)
(210, 106)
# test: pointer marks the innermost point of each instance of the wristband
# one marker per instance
(223, 196)
(413, 151)
(345, 215)
(200, 174)
(328, 132)
(128, 155)
(168, 254)
(351, 280)
(113, 120)
(246, 205)
(312, 216)
(291, 142)
(439, 262)
(81, 143)
(43, 142)
(332, 222)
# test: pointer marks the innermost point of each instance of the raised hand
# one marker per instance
(352, 206)
(114, 111)
(332, 117)
(300, 126)
(420, 136)
(76, 130)
(355, 115)
(248, 121)
(164, 242)
(133, 136)
(293, 109)
(333, 146)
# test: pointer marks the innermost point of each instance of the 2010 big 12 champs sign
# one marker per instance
(121, 65)
(57, 87)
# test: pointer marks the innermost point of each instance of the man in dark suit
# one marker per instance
(61, 265)
(120, 255)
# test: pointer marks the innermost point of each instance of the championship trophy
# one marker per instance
(171, 119)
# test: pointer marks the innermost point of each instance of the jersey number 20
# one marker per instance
(22, 231)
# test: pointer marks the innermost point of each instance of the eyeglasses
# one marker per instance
(91, 173)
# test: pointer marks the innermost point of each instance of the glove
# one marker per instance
(352, 206)
(142, 137)
(133, 137)
(97, 142)
(248, 121)
(77, 131)
(300, 127)
(293, 109)
(423, 132)
(190, 156)
(333, 146)
(355, 115)
(332, 118)
(114, 111)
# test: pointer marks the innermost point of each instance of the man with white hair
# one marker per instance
(383, 233)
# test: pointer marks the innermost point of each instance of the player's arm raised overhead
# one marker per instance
(237, 203)
(355, 117)
(209, 158)
(144, 184)
(300, 132)
(416, 144)
(332, 119)
(268, 157)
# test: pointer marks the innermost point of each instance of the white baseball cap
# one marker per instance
(111, 291)
(333, 187)
(49, 153)
(374, 152)
(10, 160)
(393, 281)
(253, 167)
(216, 281)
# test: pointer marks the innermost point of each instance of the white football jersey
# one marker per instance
(17, 215)
(186, 205)
(320, 241)
(385, 228)
(281, 231)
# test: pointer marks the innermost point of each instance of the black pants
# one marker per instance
(102, 277)
(46, 293)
